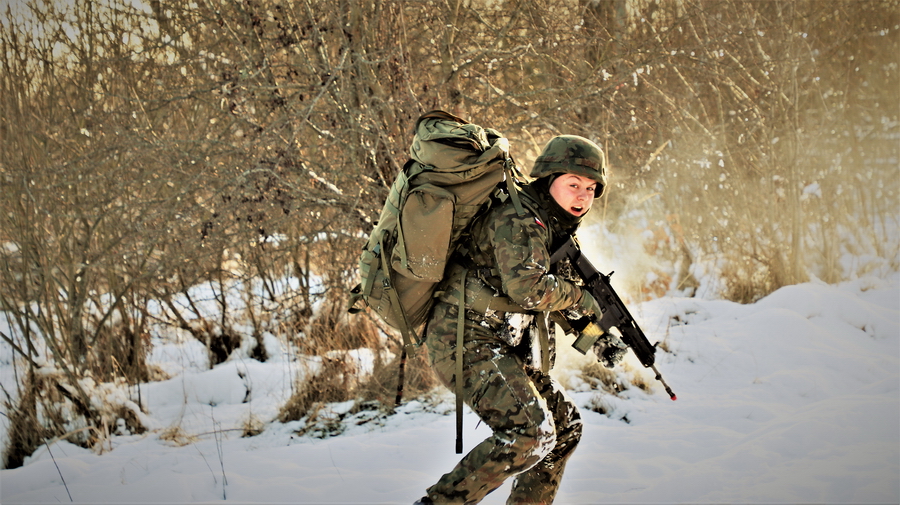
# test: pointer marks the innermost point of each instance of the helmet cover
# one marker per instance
(571, 154)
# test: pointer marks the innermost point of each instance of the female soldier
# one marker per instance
(510, 288)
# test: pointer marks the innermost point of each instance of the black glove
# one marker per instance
(610, 350)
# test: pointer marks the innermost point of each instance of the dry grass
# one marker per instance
(602, 378)
(176, 436)
(47, 409)
(44, 411)
(252, 426)
(612, 383)
(333, 329)
(332, 382)
(382, 386)
(26, 433)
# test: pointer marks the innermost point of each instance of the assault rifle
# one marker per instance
(614, 312)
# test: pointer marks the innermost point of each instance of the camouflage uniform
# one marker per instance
(536, 426)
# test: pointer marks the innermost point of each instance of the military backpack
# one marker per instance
(454, 168)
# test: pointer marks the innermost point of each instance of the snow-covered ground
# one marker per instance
(794, 399)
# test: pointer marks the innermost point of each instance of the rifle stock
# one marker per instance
(614, 312)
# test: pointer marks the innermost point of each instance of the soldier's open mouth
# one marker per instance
(576, 210)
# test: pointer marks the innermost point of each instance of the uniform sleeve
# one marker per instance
(521, 253)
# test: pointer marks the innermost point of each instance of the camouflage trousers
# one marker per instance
(536, 427)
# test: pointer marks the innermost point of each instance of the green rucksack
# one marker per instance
(455, 167)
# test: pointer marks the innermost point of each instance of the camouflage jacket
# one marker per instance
(511, 254)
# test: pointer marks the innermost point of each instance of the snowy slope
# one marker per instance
(793, 399)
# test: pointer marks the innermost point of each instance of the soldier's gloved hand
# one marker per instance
(588, 305)
(610, 350)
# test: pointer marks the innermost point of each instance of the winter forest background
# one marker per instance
(208, 171)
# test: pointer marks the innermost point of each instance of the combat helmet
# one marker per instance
(571, 154)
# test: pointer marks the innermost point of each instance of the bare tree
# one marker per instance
(249, 144)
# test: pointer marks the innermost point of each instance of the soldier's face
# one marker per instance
(574, 193)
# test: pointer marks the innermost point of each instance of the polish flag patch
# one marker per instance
(538, 221)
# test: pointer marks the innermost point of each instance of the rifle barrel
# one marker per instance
(663, 381)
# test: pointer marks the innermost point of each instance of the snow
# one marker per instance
(793, 399)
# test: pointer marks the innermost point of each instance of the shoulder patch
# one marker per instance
(538, 221)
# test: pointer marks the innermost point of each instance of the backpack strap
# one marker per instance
(509, 169)
(408, 341)
(543, 341)
(460, 382)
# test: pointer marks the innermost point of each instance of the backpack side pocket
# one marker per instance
(424, 232)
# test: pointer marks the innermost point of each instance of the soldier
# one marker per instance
(510, 290)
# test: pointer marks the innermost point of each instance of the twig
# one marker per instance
(58, 471)
(653, 156)
(215, 480)
(335, 464)
(216, 433)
